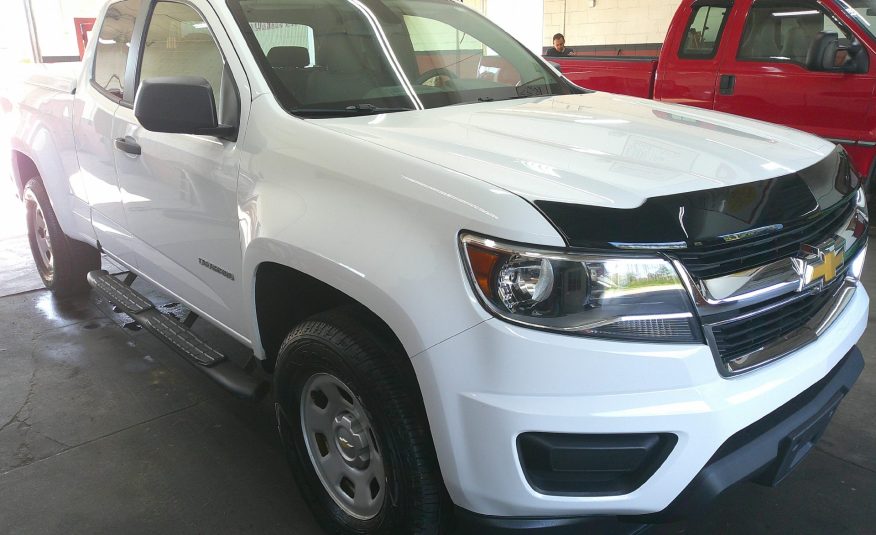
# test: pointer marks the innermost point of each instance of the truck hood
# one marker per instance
(594, 149)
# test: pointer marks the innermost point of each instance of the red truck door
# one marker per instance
(690, 57)
(766, 77)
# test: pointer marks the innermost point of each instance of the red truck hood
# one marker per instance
(597, 149)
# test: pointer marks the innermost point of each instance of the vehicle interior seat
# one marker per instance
(800, 37)
(761, 41)
(290, 64)
(350, 63)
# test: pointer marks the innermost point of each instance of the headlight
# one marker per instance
(629, 297)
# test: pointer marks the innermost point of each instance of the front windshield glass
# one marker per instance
(342, 57)
(863, 11)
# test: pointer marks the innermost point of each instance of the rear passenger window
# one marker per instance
(179, 43)
(783, 31)
(703, 32)
(113, 44)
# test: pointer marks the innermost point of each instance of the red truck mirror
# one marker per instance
(179, 105)
(826, 54)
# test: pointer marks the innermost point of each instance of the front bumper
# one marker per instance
(757, 452)
(486, 386)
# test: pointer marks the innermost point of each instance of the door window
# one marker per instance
(113, 44)
(703, 32)
(784, 31)
(179, 43)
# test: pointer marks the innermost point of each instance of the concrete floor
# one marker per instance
(105, 430)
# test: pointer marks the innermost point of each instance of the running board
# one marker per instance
(176, 335)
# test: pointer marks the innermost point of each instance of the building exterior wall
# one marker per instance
(608, 22)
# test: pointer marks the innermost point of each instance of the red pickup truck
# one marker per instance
(801, 63)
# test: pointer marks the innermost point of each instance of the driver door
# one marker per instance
(767, 78)
(180, 192)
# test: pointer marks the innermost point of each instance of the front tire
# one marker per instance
(62, 262)
(355, 432)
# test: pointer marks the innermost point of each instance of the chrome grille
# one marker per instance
(769, 322)
(772, 310)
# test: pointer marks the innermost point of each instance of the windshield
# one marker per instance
(863, 11)
(342, 57)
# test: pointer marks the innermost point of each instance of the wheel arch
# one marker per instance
(50, 164)
(284, 297)
(23, 169)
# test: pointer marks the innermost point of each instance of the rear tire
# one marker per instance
(332, 376)
(62, 262)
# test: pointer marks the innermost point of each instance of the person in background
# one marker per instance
(559, 49)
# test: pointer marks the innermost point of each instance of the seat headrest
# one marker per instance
(289, 56)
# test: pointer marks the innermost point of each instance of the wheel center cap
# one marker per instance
(350, 440)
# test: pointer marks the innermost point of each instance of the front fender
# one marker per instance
(378, 225)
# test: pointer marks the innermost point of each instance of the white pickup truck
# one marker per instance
(489, 298)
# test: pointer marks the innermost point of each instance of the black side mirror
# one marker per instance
(179, 105)
(824, 52)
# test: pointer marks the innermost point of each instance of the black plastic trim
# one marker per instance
(112, 97)
(566, 464)
(710, 224)
(469, 523)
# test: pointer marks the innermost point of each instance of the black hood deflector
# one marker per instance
(710, 216)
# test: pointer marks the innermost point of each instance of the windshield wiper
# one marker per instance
(357, 109)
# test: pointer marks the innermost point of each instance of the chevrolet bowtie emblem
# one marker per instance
(821, 263)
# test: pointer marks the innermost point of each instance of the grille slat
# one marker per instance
(747, 328)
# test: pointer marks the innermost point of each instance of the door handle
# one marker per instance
(727, 84)
(128, 145)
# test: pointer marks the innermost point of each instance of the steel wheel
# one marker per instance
(43, 240)
(342, 446)
(62, 262)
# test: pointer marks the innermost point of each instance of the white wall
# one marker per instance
(521, 18)
(608, 22)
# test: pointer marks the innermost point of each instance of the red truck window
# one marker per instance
(703, 32)
(113, 43)
(783, 31)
